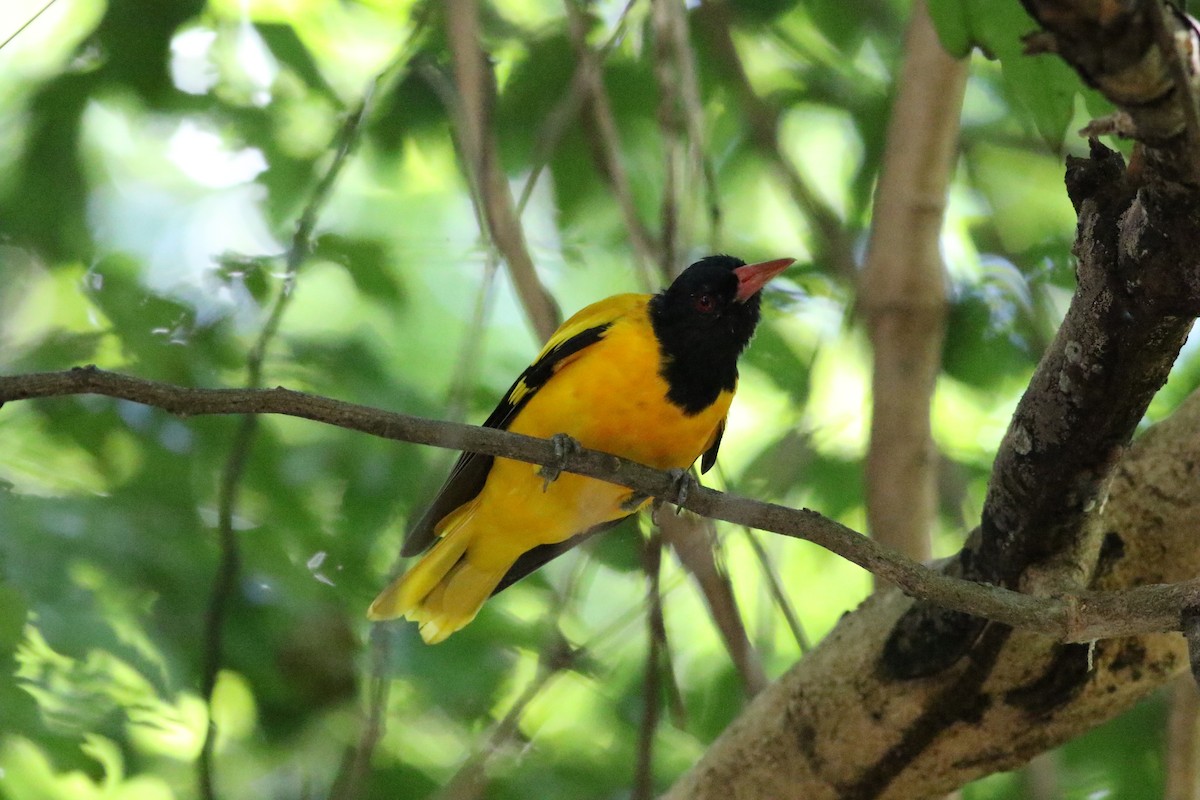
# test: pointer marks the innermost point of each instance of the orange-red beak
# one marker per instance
(753, 277)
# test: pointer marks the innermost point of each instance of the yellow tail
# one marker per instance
(443, 591)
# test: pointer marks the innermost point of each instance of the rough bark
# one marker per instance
(948, 697)
(837, 726)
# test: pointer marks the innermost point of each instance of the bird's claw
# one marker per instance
(564, 448)
(683, 481)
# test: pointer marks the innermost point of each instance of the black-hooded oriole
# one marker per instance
(646, 377)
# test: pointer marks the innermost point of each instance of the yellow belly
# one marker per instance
(611, 399)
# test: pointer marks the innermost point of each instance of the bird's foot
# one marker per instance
(683, 482)
(564, 448)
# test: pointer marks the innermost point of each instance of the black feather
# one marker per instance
(700, 348)
(710, 455)
(471, 470)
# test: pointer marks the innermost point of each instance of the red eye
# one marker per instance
(704, 303)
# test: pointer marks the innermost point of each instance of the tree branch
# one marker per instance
(833, 245)
(694, 540)
(1076, 617)
(837, 726)
(475, 89)
(903, 289)
(1130, 52)
(606, 148)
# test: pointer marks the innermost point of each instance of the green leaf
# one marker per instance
(12, 619)
(953, 28)
(1046, 88)
(982, 348)
(367, 262)
(286, 46)
(1043, 84)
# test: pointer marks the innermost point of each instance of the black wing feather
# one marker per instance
(710, 455)
(471, 470)
(533, 559)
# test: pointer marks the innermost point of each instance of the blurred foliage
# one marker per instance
(154, 159)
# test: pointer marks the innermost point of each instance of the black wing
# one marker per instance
(471, 470)
(710, 455)
(533, 559)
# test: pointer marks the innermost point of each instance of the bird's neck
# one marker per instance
(695, 383)
(697, 369)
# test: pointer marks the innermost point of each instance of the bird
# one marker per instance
(648, 377)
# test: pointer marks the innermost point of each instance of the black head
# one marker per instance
(703, 322)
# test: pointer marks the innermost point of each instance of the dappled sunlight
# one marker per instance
(28, 774)
(826, 145)
(170, 178)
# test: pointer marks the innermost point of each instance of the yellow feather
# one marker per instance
(408, 592)
(609, 396)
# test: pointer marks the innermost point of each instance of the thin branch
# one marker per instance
(27, 23)
(647, 249)
(693, 539)
(569, 106)
(470, 781)
(670, 128)
(229, 563)
(656, 634)
(557, 654)
(476, 87)
(1073, 617)
(357, 763)
(834, 245)
(775, 585)
(692, 108)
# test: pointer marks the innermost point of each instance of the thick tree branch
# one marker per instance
(1138, 253)
(1131, 52)
(837, 727)
(992, 697)
(1077, 617)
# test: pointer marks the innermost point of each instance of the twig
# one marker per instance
(670, 130)
(582, 84)
(470, 780)
(646, 248)
(228, 566)
(475, 89)
(1072, 617)
(693, 539)
(27, 23)
(762, 121)
(656, 634)
(676, 66)
(357, 763)
(776, 588)
(557, 654)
